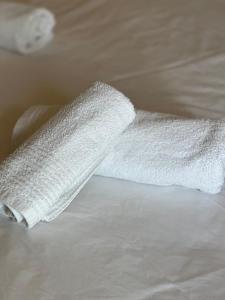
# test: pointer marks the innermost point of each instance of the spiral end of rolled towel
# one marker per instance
(37, 31)
(24, 28)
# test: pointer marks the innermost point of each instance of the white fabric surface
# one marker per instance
(119, 240)
(41, 178)
(157, 149)
(23, 28)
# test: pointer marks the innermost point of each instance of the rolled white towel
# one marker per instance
(41, 178)
(23, 28)
(157, 149)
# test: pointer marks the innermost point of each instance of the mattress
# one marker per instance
(120, 240)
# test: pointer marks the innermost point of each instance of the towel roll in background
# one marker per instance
(41, 178)
(24, 28)
(157, 148)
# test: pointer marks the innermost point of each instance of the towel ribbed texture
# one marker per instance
(158, 149)
(40, 179)
(23, 28)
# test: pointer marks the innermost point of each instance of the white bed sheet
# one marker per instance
(120, 240)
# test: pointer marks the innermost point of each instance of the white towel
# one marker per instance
(40, 179)
(157, 149)
(23, 28)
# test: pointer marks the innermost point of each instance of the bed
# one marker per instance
(120, 240)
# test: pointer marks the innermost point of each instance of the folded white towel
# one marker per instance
(157, 149)
(24, 28)
(41, 178)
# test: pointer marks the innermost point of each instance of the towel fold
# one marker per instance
(41, 178)
(157, 149)
(23, 28)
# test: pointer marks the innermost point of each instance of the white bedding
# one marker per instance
(120, 240)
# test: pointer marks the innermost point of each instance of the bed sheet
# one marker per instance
(121, 240)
